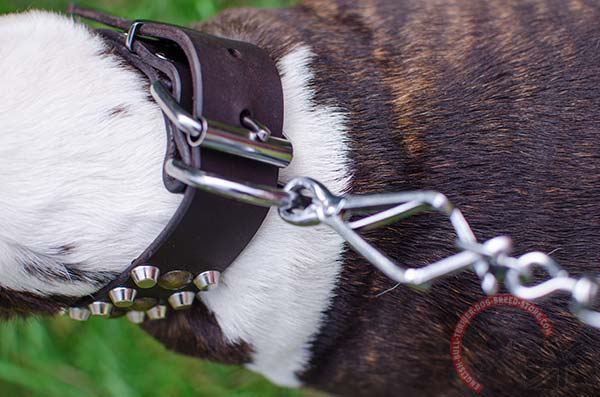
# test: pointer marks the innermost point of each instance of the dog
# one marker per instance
(496, 104)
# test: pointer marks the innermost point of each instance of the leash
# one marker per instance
(490, 260)
(164, 274)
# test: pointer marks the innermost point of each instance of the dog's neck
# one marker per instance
(438, 95)
(435, 95)
(82, 153)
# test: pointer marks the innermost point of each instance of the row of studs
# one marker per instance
(147, 277)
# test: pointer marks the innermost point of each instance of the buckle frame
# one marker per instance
(223, 137)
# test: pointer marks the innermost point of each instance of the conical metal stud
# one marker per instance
(157, 312)
(207, 280)
(145, 276)
(79, 313)
(136, 316)
(100, 309)
(175, 280)
(144, 303)
(122, 296)
(182, 300)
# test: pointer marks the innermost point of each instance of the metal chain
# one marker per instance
(306, 202)
(489, 260)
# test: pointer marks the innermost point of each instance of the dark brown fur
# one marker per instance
(21, 304)
(195, 332)
(496, 104)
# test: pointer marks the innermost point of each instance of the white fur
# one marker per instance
(274, 294)
(71, 175)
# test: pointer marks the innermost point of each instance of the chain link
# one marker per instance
(489, 260)
(306, 202)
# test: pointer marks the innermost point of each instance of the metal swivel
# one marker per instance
(122, 296)
(182, 300)
(136, 316)
(100, 309)
(157, 312)
(145, 276)
(207, 280)
(79, 313)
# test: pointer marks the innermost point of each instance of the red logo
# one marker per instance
(472, 312)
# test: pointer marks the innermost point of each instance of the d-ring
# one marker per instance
(244, 192)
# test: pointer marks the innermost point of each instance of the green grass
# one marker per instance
(110, 358)
(174, 11)
(100, 358)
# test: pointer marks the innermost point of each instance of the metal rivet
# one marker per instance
(79, 313)
(175, 280)
(157, 312)
(144, 303)
(182, 300)
(136, 317)
(100, 309)
(122, 296)
(145, 276)
(207, 280)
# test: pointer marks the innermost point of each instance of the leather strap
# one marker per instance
(218, 79)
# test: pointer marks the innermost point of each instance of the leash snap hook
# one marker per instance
(316, 204)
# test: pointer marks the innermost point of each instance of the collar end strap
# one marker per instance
(98, 16)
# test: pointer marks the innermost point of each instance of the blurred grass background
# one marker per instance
(100, 358)
(173, 11)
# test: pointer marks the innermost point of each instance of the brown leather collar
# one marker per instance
(212, 78)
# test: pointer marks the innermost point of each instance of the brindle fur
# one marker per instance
(496, 104)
